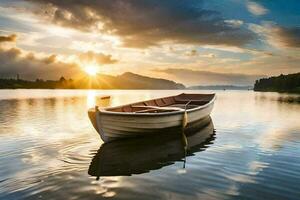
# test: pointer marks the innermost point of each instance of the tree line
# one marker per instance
(282, 83)
(62, 83)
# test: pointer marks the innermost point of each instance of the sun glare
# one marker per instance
(91, 70)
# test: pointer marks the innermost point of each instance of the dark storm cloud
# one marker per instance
(195, 77)
(9, 38)
(289, 37)
(143, 23)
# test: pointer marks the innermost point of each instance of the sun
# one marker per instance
(91, 70)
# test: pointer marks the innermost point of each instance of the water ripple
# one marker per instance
(50, 150)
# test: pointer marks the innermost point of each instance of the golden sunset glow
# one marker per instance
(74, 41)
(91, 70)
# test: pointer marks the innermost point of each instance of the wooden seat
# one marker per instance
(160, 102)
(169, 101)
(150, 103)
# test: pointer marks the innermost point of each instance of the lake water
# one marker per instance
(49, 150)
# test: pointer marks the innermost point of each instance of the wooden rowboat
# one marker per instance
(151, 116)
(143, 154)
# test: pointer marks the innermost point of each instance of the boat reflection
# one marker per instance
(140, 155)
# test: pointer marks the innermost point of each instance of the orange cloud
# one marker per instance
(99, 58)
(30, 66)
(9, 38)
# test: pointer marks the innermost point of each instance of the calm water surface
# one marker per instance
(49, 150)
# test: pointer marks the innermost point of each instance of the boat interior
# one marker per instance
(166, 104)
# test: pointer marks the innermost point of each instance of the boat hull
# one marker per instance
(113, 126)
(131, 156)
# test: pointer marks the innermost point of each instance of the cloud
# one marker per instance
(31, 66)
(98, 58)
(278, 36)
(50, 59)
(287, 36)
(234, 22)
(195, 77)
(194, 53)
(142, 24)
(256, 9)
(9, 38)
(208, 55)
(191, 53)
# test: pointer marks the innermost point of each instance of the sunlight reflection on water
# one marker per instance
(48, 144)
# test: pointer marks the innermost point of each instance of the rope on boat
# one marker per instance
(184, 124)
(185, 116)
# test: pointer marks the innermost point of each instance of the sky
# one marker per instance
(194, 42)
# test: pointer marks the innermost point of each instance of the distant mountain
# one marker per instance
(282, 83)
(220, 87)
(130, 80)
(127, 80)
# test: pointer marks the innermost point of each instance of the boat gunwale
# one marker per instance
(105, 111)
